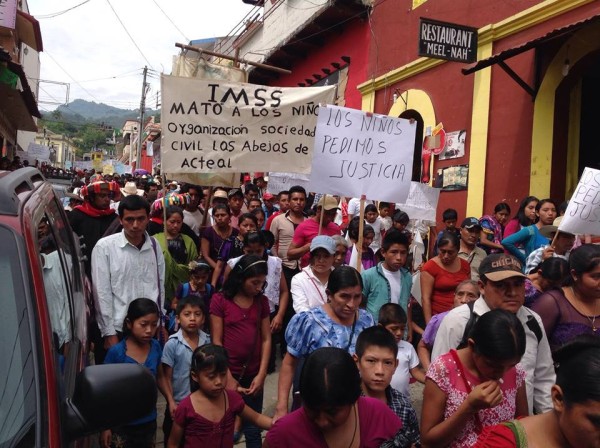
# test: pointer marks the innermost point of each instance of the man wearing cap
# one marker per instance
(269, 206)
(502, 286)
(311, 227)
(470, 229)
(236, 202)
(560, 247)
(219, 197)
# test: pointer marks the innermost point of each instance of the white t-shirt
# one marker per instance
(354, 206)
(376, 244)
(407, 359)
(194, 220)
(395, 280)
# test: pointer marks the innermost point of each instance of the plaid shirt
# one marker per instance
(409, 434)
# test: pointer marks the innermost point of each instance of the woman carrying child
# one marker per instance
(477, 386)
(205, 418)
(239, 317)
(138, 346)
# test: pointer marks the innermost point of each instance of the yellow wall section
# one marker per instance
(574, 140)
(419, 101)
(479, 134)
(417, 3)
(580, 44)
(368, 102)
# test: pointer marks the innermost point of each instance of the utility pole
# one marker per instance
(138, 159)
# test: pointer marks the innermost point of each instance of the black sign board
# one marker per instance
(442, 40)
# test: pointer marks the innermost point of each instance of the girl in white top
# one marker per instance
(309, 285)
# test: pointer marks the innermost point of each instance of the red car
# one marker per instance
(49, 396)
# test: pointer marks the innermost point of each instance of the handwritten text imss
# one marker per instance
(211, 126)
(373, 152)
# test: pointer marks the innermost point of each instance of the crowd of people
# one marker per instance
(207, 287)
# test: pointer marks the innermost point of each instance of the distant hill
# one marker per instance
(81, 111)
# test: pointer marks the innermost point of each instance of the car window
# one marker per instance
(17, 377)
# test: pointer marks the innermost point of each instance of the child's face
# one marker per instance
(210, 382)
(450, 224)
(199, 277)
(466, 294)
(376, 366)
(371, 217)
(399, 225)
(191, 319)
(253, 286)
(247, 225)
(367, 240)
(397, 329)
(143, 328)
(254, 249)
(395, 257)
(384, 212)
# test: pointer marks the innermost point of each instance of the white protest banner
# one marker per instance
(284, 181)
(421, 202)
(358, 153)
(38, 152)
(583, 212)
(213, 126)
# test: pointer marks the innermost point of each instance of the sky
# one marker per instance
(88, 47)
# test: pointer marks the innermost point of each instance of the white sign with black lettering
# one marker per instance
(358, 153)
(284, 181)
(583, 212)
(213, 126)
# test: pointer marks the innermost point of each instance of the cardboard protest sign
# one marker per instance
(213, 126)
(421, 202)
(358, 153)
(38, 152)
(583, 213)
(284, 181)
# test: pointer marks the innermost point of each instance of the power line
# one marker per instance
(56, 14)
(73, 79)
(169, 19)
(125, 28)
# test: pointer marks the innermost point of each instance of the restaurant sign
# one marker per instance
(442, 40)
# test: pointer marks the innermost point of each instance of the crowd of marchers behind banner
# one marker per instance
(206, 287)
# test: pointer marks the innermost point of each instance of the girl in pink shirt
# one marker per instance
(477, 386)
(239, 321)
(206, 416)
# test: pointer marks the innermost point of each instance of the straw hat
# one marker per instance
(131, 189)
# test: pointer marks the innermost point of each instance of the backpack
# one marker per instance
(531, 323)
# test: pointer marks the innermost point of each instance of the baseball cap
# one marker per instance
(469, 223)
(268, 196)
(328, 203)
(323, 242)
(235, 192)
(498, 267)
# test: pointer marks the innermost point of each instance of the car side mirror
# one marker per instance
(109, 395)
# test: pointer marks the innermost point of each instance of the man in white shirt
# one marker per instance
(502, 286)
(192, 216)
(126, 266)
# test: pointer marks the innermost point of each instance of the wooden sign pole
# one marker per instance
(361, 228)
(322, 213)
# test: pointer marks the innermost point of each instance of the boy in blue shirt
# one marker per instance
(177, 355)
(389, 281)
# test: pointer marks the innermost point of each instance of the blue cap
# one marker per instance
(323, 242)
